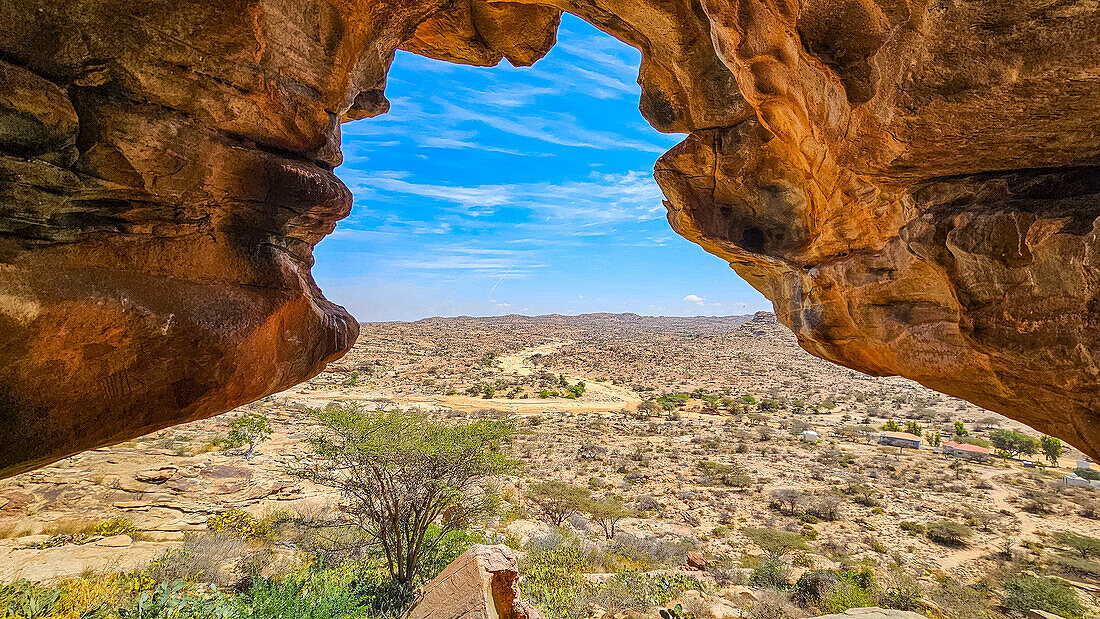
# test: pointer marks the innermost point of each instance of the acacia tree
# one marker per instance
(407, 480)
(556, 500)
(607, 513)
(788, 499)
(1081, 543)
(250, 430)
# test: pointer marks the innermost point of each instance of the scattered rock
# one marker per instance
(696, 560)
(157, 475)
(740, 593)
(699, 604)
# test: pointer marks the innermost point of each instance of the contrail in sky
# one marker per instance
(502, 275)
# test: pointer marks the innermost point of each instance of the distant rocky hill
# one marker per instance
(592, 321)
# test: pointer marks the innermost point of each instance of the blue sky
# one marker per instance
(504, 190)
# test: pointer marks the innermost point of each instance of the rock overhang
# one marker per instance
(914, 186)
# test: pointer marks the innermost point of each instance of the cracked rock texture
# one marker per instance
(915, 185)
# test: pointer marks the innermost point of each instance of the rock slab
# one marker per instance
(483, 583)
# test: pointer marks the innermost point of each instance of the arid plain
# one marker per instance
(697, 424)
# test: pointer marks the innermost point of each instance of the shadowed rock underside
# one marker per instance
(915, 185)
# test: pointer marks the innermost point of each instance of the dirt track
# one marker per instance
(599, 396)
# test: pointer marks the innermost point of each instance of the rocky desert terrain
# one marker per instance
(695, 424)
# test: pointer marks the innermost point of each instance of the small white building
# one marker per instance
(1074, 481)
(1084, 464)
(965, 450)
(810, 436)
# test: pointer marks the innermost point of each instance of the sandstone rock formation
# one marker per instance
(915, 185)
(483, 583)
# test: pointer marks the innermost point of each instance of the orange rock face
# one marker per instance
(914, 185)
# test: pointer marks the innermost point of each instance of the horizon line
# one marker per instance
(553, 315)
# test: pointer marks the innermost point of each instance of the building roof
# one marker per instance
(902, 435)
(968, 447)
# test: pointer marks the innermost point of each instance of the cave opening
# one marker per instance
(487, 191)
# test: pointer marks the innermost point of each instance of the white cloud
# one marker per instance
(600, 199)
(696, 299)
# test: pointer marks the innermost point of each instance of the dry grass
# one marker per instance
(88, 591)
(70, 526)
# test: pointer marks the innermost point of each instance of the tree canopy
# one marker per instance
(556, 500)
(1015, 443)
(406, 478)
(1052, 448)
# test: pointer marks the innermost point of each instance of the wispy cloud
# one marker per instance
(487, 191)
(601, 198)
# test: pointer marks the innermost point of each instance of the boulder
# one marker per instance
(524, 530)
(696, 560)
(740, 593)
(483, 583)
(704, 606)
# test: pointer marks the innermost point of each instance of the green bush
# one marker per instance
(450, 545)
(552, 580)
(812, 587)
(716, 473)
(115, 526)
(248, 430)
(1024, 593)
(960, 601)
(852, 590)
(26, 600)
(350, 590)
(771, 574)
(553, 577)
(1087, 546)
(776, 543)
(639, 591)
(175, 601)
(240, 523)
(949, 533)
(1076, 566)
(1089, 474)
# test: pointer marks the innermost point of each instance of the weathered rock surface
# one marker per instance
(914, 185)
(483, 583)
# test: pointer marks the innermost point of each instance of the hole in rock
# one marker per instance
(516, 190)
